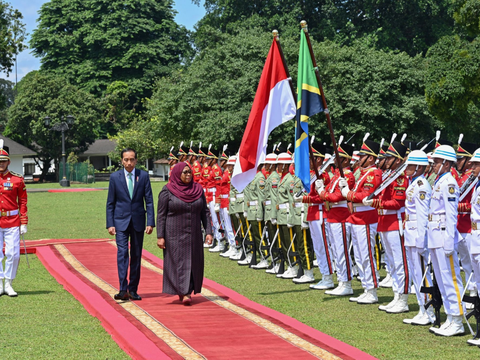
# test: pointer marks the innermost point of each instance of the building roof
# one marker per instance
(161, 161)
(100, 147)
(15, 148)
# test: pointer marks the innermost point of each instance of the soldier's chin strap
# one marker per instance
(441, 167)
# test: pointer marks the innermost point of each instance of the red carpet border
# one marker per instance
(221, 324)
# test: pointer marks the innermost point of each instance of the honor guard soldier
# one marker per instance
(239, 209)
(172, 161)
(270, 196)
(197, 164)
(233, 213)
(474, 236)
(443, 238)
(13, 220)
(254, 215)
(364, 220)
(391, 213)
(182, 154)
(302, 241)
(417, 203)
(213, 183)
(339, 230)
(223, 200)
(284, 201)
(316, 218)
(464, 226)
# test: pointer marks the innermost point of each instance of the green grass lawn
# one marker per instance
(45, 321)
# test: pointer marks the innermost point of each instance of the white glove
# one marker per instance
(342, 183)
(345, 191)
(217, 207)
(259, 219)
(245, 214)
(448, 253)
(289, 226)
(297, 198)
(319, 186)
(424, 253)
(237, 215)
(304, 225)
(274, 221)
(23, 229)
(367, 202)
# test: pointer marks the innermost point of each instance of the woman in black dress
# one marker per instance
(182, 210)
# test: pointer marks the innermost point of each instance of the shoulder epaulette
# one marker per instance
(16, 174)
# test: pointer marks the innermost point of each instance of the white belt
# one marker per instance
(298, 205)
(410, 217)
(436, 217)
(224, 196)
(362, 208)
(463, 213)
(283, 206)
(268, 202)
(9, 213)
(390, 212)
(232, 200)
(252, 203)
(240, 196)
(338, 204)
(212, 190)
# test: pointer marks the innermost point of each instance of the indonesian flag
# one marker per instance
(274, 104)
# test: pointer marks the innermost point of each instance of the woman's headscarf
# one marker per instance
(185, 192)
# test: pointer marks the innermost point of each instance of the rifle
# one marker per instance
(467, 186)
(475, 300)
(436, 297)
(390, 179)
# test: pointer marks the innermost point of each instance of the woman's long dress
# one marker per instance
(180, 224)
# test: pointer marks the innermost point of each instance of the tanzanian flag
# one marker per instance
(309, 103)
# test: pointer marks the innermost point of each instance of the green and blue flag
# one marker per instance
(309, 103)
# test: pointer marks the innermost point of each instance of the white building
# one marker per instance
(21, 158)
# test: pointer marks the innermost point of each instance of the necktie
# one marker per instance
(130, 184)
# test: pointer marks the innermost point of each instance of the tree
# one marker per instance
(42, 95)
(7, 96)
(12, 36)
(93, 43)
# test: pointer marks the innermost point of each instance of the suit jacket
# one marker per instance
(121, 209)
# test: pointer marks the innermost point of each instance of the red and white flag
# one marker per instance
(273, 105)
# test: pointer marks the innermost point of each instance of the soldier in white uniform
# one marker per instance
(443, 238)
(416, 219)
(473, 239)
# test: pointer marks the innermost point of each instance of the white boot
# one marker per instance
(390, 304)
(419, 316)
(307, 277)
(355, 299)
(445, 325)
(8, 288)
(324, 284)
(387, 282)
(246, 261)
(273, 269)
(220, 247)
(427, 318)
(238, 255)
(291, 273)
(231, 251)
(475, 342)
(455, 328)
(263, 264)
(1, 287)
(400, 306)
(370, 298)
(343, 289)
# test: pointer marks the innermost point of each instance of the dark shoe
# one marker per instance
(187, 300)
(134, 296)
(122, 295)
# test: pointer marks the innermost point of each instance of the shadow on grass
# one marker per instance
(284, 292)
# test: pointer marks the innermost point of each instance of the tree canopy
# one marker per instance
(93, 43)
(12, 35)
(42, 95)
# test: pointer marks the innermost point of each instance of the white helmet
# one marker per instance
(445, 152)
(271, 159)
(476, 156)
(284, 158)
(417, 157)
(429, 156)
(231, 160)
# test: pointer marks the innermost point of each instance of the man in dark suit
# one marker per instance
(129, 192)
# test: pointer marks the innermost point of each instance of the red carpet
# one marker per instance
(221, 324)
(73, 190)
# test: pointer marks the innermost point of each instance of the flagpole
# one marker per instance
(277, 39)
(303, 23)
